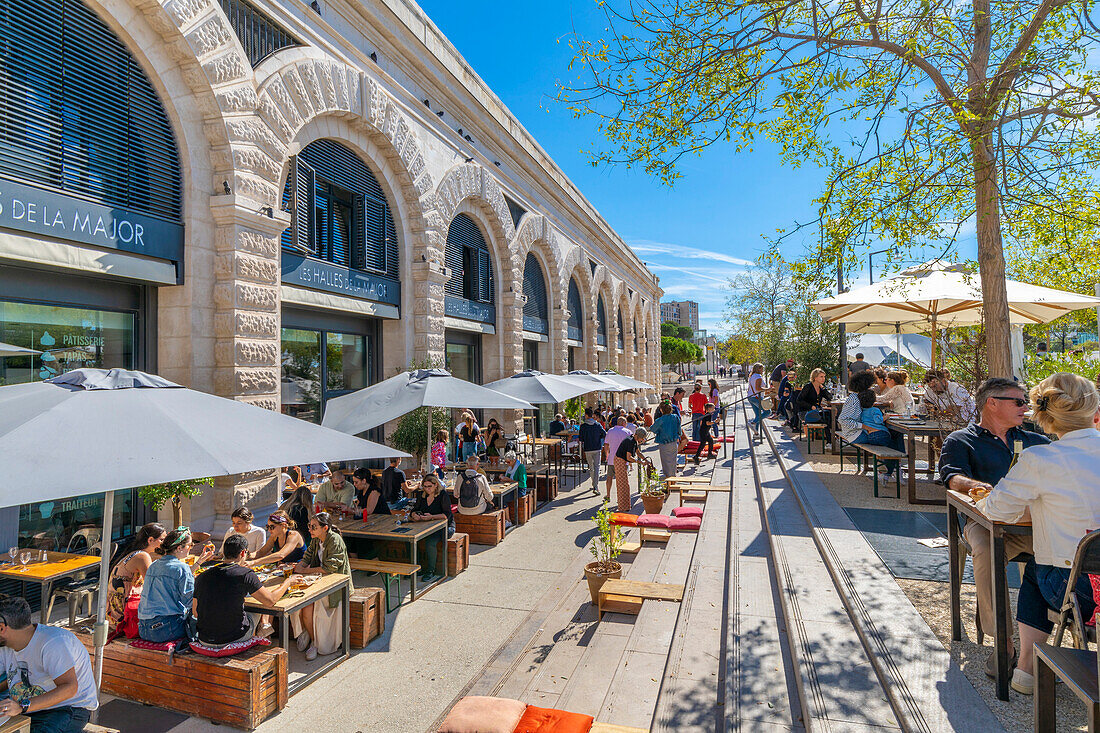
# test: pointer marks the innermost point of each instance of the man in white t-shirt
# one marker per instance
(45, 670)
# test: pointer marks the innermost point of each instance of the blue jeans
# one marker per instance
(758, 411)
(59, 720)
(696, 419)
(469, 448)
(1043, 587)
(160, 629)
(884, 438)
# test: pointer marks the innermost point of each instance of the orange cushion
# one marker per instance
(547, 720)
(476, 714)
(623, 519)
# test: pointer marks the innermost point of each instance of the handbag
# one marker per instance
(813, 416)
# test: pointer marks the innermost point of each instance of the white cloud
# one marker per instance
(711, 274)
(645, 246)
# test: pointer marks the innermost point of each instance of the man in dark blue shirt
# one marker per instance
(977, 457)
(592, 437)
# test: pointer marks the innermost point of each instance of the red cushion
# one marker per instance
(155, 646)
(475, 714)
(654, 520)
(229, 649)
(687, 511)
(623, 519)
(548, 720)
(685, 523)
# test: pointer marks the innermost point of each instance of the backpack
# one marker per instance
(469, 495)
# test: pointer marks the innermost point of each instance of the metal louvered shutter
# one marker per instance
(466, 246)
(575, 323)
(619, 323)
(77, 113)
(484, 278)
(375, 212)
(601, 322)
(358, 234)
(301, 183)
(259, 35)
(453, 259)
(534, 288)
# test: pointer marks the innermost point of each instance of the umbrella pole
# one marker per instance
(897, 338)
(933, 342)
(99, 637)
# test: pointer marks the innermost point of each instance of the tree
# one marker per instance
(760, 303)
(948, 110)
(175, 491)
(668, 328)
(411, 434)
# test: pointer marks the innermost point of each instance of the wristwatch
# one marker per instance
(23, 707)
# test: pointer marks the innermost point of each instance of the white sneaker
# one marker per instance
(1022, 682)
(303, 641)
(311, 653)
(265, 631)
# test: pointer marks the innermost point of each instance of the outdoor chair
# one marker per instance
(78, 594)
(1086, 560)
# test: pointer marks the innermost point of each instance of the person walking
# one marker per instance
(668, 434)
(706, 435)
(592, 437)
(756, 396)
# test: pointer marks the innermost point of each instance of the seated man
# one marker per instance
(241, 519)
(472, 489)
(393, 485)
(218, 603)
(336, 493)
(947, 398)
(46, 670)
(977, 457)
(557, 425)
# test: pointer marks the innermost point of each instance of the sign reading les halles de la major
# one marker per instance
(320, 275)
(38, 211)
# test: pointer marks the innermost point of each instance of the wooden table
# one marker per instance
(384, 527)
(58, 565)
(501, 491)
(911, 428)
(960, 502)
(285, 606)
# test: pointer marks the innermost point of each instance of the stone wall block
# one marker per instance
(254, 131)
(272, 116)
(257, 297)
(246, 381)
(229, 240)
(308, 74)
(228, 67)
(210, 35)
(327, 84)
(259, 189)
(256, 353)
(184, 11)
(353, 82)
(241, 323)
(238, 99)
(254, 160)
(282, 100)
(296, 88)
(247, 267)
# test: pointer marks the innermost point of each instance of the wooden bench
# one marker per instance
(688, 480)
(1077, 668)
(815, 430)
(627, 596)
(483, 529)
(609, 728)
(526, 506)
(654, 534)
(546, 487)
(242, 690)
(17, 724)
(458, 553)
(390, 571)
(685, 495)
(368, 620)
(880, 454)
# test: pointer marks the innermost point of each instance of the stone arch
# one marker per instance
(536, 236)
(574, 265)
(604, 284)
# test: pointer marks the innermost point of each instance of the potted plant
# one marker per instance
(653, 492)
(605, 548)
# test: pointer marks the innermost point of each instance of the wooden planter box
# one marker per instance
(241, 690)
(483, 529)
(546, 486)
(526, 508)
(458, 553)
(368, 615)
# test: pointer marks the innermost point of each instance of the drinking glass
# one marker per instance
(25, 557)
(12, 552)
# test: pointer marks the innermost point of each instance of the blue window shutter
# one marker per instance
(301, 212)
(359, 254)
(484, 278)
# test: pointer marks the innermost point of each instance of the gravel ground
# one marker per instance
(932, 600)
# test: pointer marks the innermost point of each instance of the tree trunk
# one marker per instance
(991, 259)
(177, 512)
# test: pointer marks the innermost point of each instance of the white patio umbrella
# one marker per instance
(378, 404)
(7, 350)
(596, 382)
(624, 380)
(877, 348)
(937, 295)
(539, 388)
(121, 429)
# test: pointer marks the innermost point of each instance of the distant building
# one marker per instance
(684, 312)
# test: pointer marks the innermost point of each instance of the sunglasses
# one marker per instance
(1020, 401)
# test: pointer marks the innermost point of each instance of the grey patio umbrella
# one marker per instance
(624, 380)
(119, 429)
(596, 382)
(10, 350)
(378, 404)
(540, 388)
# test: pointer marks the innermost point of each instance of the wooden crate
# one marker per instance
(368, 615)
(483, 529)
(526, 508)
(546, 486)
(458, 553)
(241, 690)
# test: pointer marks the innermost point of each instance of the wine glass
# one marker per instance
(25, 557)
(12, 552)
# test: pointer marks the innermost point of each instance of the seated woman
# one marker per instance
(169, 587)
(431, 504)
(289, 481)
(317, 626)
(284, 542)
(516, 471)
(128, 574)
(471, 489)
(896, 397)
(299, 507)
(1062, 511)
(880, 381)
(810, 400)
(368, 493)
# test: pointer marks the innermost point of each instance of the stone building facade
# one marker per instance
(246, 87)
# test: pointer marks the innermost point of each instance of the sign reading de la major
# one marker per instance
(53, 214)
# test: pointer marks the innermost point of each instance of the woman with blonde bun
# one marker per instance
(1062, 510)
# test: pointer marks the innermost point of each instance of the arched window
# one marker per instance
(339, 212)
(535, 316)
(260, 36)
(77, 113)
(637, 330)
(619, 323)
(575, 322)
(601, 322)
(470, 289)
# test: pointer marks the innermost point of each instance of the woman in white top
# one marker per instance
(896, 397)
(1058, 483)
(757, 388)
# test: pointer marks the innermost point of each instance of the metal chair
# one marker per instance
(1086, 560)
(78, 594)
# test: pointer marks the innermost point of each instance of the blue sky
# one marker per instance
(695, 235)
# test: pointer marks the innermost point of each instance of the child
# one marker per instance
(439, 452)
(706, 432)
(874, 430)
